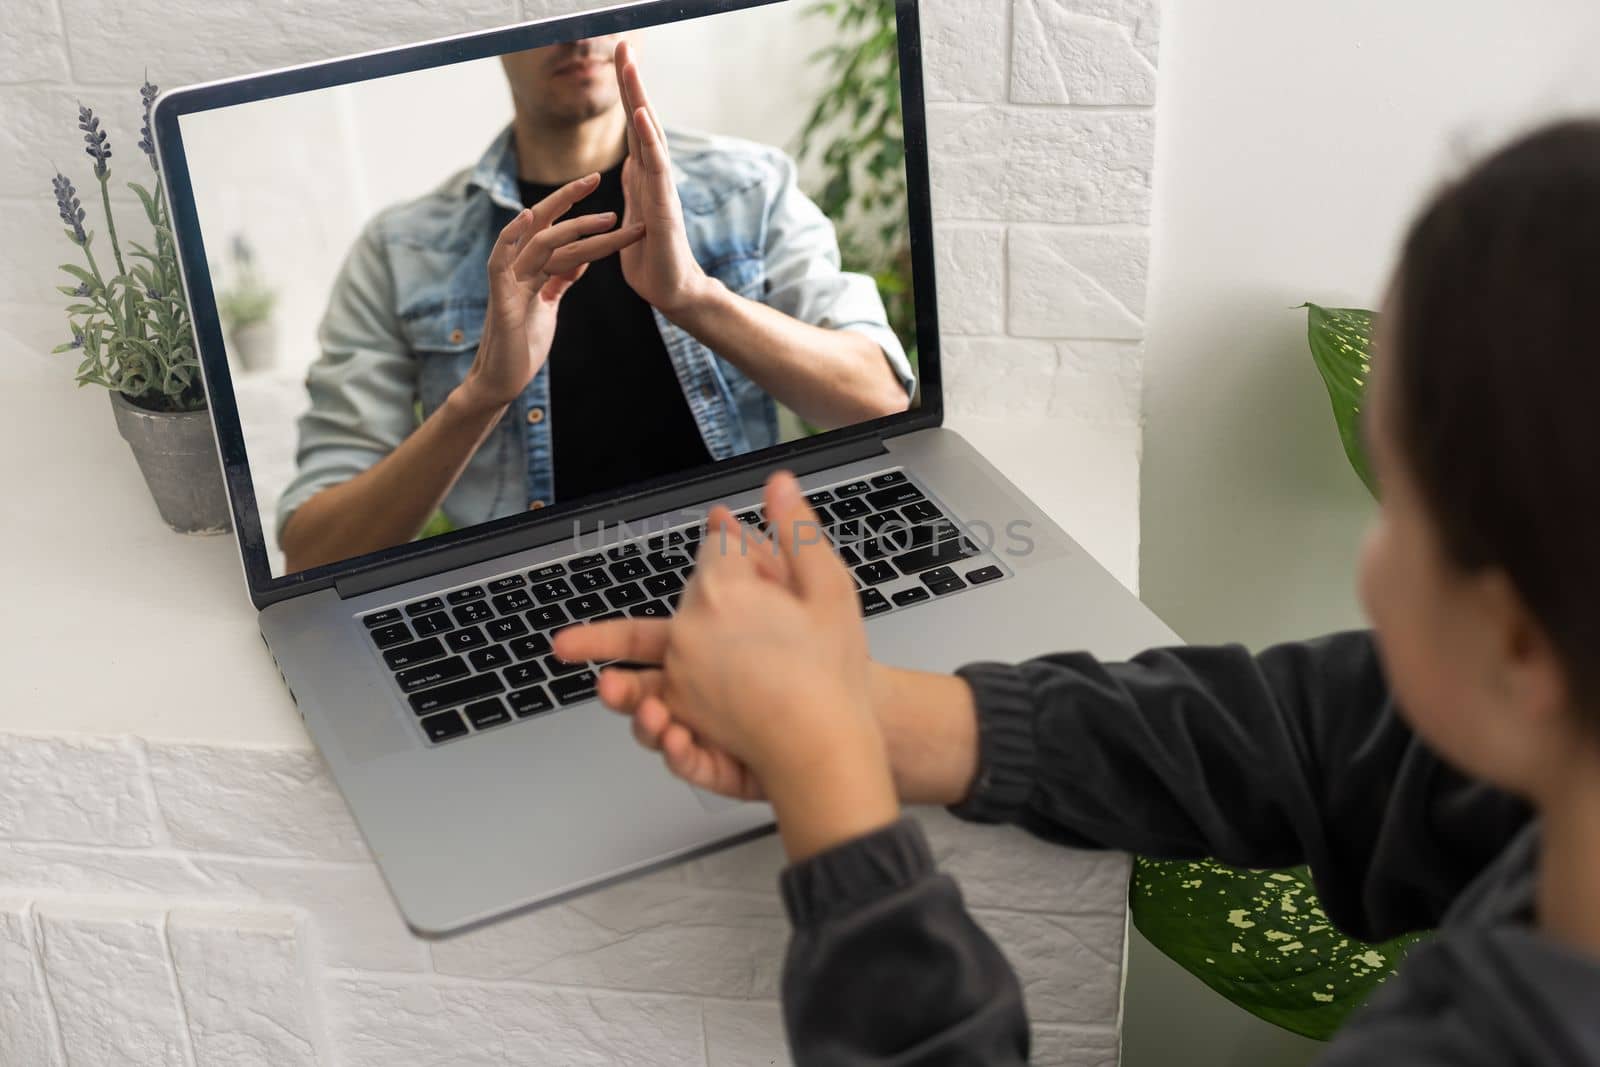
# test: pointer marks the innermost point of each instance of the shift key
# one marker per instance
(446, 696)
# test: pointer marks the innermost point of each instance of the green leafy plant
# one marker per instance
(131, 325)
(248, 300)
(1260, 938)
(856, 132)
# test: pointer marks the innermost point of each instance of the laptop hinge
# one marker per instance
(713, 486)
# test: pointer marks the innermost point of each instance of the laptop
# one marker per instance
(335, 223)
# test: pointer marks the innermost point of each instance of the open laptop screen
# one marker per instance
(412, 353)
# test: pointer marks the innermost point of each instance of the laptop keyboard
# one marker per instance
(478, 657)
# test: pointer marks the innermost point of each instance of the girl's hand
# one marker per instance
(534, 262)
(764, 678)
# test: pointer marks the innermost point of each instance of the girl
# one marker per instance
(1442, 770)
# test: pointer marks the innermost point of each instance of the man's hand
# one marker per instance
(766, 681)
(661, 268)
(534, 262)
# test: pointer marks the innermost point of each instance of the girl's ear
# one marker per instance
(1525, 681)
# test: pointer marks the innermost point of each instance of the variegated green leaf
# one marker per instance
(1341, 346)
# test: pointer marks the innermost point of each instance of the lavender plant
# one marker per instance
(131, 325)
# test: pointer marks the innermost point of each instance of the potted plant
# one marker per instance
(1261, 938)
(130, 325)
(246, 309)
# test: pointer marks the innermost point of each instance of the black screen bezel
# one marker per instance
(263, 586)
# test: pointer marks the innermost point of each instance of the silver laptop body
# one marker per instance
(540, 793)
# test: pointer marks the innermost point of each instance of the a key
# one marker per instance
(428, 625)
(414, 653)
(447, 696)
(445, 727)
(526, 702)
(389, 636)
(552, 591)
(487, 659)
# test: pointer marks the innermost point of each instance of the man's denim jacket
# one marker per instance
(403, 322)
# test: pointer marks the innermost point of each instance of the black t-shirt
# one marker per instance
(618, 414)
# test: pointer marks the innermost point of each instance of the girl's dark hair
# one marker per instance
(1496, 404)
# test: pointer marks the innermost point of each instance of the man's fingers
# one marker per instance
(634, 640)
(561, 201)
(812, 562)
(557, 287)
(537, 249)
(508, 243)
(620, 59)
(570, 257)
(637, 96)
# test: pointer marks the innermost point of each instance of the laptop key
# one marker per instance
(938, 554)
(947, 585)
(583, 563)
(524, 674)
(432, 674)
(587, 606)
(888, 478)
(629, 569)
(487, 659)
(508, 583)
(662, 584)
(589, 581)
(381, 618)
(513, 602)
(548, 617)
(894, 496)
(571, 690)
(873, 603)
(414, 653)
(819, 498)
(529, 647)
(985, 574)
(914, 595)
(466, 596)
(423, 607)
(448, 696)
(466, 640)
(855, 488)
(921, 511)
(548, 573)
(505, 629)
(389, 636)
(560, 668)
(552, 591)
(621, 552)
(876, 573)
(525, 702)
(852, 508)
(428, 625)
(654, 609)
(487, 713)
(608, 616)
(624, 595)
(667, 561)
(445, 727)
(467, 614)
(672, 600)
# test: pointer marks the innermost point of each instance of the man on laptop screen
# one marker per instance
(600, 300)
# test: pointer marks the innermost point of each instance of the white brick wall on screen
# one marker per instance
(198, 905)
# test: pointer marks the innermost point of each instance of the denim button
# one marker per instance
(457, 336)
(535, 416)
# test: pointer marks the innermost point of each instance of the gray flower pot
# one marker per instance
(178, 455)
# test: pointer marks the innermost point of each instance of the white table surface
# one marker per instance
(117, 625)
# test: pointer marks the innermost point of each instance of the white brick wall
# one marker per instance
(197, 905)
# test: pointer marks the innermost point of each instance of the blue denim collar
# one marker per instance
(496, 172)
